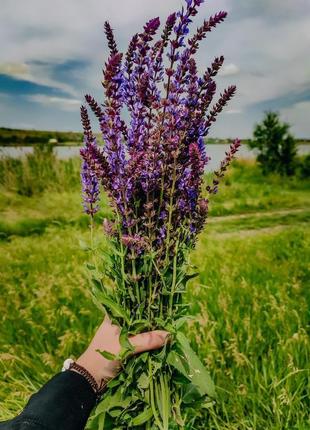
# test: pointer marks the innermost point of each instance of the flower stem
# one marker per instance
(174, 277)
(152, 396)
(170, 211)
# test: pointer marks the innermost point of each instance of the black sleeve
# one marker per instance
(64, 403)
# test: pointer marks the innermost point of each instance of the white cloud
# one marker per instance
(35, 73)
(274, 60)
(229, 70)
(54, 32)
(60, 102)
(14, 69)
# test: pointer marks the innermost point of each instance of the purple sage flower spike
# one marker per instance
(94, 106)
(90, 189)
(218, 107)
(206, 27)
(110, 38)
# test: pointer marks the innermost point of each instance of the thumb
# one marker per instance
(148, 341)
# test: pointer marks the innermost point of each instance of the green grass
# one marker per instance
(246, 190)
(251, 299)
(252, 330)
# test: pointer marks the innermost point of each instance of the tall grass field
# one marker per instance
(251, 299)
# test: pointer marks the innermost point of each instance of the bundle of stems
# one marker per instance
(152, 170)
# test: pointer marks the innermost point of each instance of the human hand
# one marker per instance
(107, 339)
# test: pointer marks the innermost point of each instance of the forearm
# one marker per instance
(64, 403)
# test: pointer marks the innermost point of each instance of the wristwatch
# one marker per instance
(71, 365)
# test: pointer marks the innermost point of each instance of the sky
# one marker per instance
(52, 53)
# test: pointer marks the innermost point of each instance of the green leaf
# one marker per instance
(101, 421)
(140, 325)
(183, 277)
(181, 321)
(113, 402)
(114, 308)
(198, 374)
(143, 357)
(116, 412)
(104, 405)
(160, 322)
(191, 394)
(143, 381)
(161, 355)
(113, 383)
(142, 418)
(108, 355)
(179, 363)
(127, 348)
(156, 366)
(124, 340)
(189, 277)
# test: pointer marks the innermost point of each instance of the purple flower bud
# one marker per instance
(171, 19)
(90, 189)
(135, 243)
(218, 107)
(110, 37)
(109, 227)
(152, 26)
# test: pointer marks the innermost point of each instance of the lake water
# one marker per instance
(215, 151)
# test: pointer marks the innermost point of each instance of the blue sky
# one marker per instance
(51, 53)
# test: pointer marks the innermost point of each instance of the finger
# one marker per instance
(148, 341)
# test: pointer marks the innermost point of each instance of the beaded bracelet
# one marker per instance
(70, 364)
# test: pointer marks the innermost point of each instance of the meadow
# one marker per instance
(251, 299)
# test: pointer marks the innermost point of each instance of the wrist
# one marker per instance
(98, 366)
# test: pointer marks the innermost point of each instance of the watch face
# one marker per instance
(67, 364)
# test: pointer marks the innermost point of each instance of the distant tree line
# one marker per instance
(9, 136)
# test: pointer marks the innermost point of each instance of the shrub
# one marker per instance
(276, 146)
(304, 167)
(38, 171)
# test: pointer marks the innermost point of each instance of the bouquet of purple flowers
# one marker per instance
(152, 169)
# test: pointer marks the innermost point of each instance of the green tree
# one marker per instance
(276, 146)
